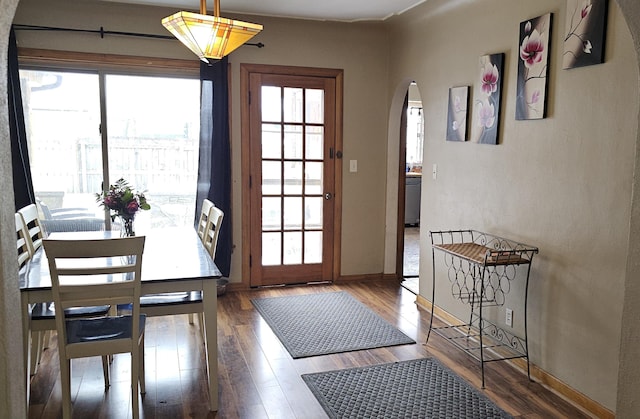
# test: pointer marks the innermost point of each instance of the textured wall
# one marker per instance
(564, 183)
(12, 394)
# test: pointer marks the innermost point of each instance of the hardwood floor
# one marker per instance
(258, 378)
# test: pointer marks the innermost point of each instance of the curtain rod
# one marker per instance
(103, 32)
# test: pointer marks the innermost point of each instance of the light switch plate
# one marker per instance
(353, 166)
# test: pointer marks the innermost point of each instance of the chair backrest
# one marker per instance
(86, 273)
(212, 230)
(33, 225)
(24, 249)
(204, 217)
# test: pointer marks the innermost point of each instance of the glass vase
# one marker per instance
(127, 226)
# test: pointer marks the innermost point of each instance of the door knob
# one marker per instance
(327, 196)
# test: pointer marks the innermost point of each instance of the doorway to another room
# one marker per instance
(413, 139)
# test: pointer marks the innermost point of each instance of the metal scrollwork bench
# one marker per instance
(481, 268)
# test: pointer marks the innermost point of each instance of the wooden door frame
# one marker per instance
(245, 133)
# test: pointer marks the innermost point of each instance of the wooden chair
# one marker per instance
(212, 230)
(24, 248)
(42, 314)
(164, 304)
(78, 269)
(33, 225)
(204, 217)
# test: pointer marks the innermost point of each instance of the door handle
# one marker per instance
(328, 196)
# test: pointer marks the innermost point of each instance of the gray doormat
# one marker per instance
(326, 323)
(421, 388)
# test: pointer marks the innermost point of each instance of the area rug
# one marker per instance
(326, 323)
(421, 388)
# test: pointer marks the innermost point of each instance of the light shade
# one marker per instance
(209, 36)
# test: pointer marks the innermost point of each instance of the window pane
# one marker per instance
(154, 143)
(62, 118)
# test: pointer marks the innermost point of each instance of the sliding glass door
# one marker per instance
(146, 131)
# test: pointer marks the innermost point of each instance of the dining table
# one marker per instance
(174, 261)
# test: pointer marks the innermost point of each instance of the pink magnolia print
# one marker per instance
(533, 67)
(585, 31)
(486, 100)
(457, 115)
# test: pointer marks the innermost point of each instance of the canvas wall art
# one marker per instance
(585, 33)
(457, 114)
(533, 68)
(487, 97)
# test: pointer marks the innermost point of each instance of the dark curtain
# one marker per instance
(214, 168)
(22, 184)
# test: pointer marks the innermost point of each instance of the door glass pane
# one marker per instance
(313, 213)
(313, 247)
(292, 248)
(271, 177)
(271, 214)
(271, 141)
(271, 104)
(314, 109)
(313, 178)
(271, 243)
(293, 178)
(292, 213)
(293, 142)
(62, 118)
(314, 142)
(292, 104)
(154, 143)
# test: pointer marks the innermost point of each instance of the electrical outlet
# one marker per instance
(509, 317)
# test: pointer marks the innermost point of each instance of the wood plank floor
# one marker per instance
(258, 378)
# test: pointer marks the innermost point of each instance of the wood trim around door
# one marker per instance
(245, 71)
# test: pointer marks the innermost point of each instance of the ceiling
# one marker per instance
(338, 10)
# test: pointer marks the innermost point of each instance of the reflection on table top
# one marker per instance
(170, 254)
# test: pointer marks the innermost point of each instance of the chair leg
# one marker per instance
(201, 323)
(137, 379)
(65, 381)
(36, 339)
(141, 378)
(105, 371)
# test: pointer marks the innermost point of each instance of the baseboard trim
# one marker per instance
(366, 277)
(570, 394)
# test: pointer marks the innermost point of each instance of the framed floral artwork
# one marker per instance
(457, 114)
(487, 98)
(585, 32)
(533, 68)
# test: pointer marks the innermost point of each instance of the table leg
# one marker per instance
(210, 303)
(26, 336)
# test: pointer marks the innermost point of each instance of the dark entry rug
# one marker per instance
(326, 323)
(421, 388)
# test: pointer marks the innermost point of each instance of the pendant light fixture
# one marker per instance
(210, 36)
